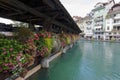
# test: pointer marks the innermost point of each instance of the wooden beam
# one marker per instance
(49, 3)
(68, 15)
(52, 13)
(34, 19)
(14, 14)
(42, 7)
(8, 7)
(24, 7)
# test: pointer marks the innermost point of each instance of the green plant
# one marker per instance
(2, 36)
(11, 55)
(44, 43)
(49, 44)
(22, 34)
(68, 40)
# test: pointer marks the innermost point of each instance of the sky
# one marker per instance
(81, 7)
(6, 21)
(74, 7)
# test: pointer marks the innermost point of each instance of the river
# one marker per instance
(87, 60)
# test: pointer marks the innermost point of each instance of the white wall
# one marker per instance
(109, 23)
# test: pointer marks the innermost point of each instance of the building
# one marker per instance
(112, 30)
(88, 27)
(80, 22)
(99, 18)
(102, 22)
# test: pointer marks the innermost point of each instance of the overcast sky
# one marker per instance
(81, 7)
(74, 7)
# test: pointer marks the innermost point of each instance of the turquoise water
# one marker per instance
(87, 60)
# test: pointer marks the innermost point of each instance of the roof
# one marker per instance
(87, 17)
(77, 19)
(99, 8)
(103, 4)
(115, 9)
(116, 5)
(40, 12)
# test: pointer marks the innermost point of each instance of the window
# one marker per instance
(114, 21)
(117, 27)
(114, 15)
(108, 28)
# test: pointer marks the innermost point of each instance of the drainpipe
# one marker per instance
(113, 1)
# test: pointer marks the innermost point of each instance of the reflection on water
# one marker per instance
(87, 60)
(108, 54)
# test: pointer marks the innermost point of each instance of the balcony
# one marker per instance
(98, 24)
(98, 30)
(116, 31)
(117, 17)
(116, 22)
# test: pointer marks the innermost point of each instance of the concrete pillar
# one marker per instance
(45, 63)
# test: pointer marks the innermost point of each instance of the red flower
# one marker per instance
(11, 49)
(18, 58)
(5, 53)
(4, 49)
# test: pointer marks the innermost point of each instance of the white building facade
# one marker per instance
(113, 23)
(88, 27)
(99, 17)
(103, 22)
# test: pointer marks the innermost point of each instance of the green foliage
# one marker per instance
(16, 53)
(44, 43)
(68, 40)
(22, 34)
(2, 36)
(11, 55)
(48, 44)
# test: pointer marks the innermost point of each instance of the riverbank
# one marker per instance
(38, 67)
(45, 63)
(85, 61)
(30, 72)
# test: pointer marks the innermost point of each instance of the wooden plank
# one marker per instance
(31, 72)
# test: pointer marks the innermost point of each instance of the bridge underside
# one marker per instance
(47, 13)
